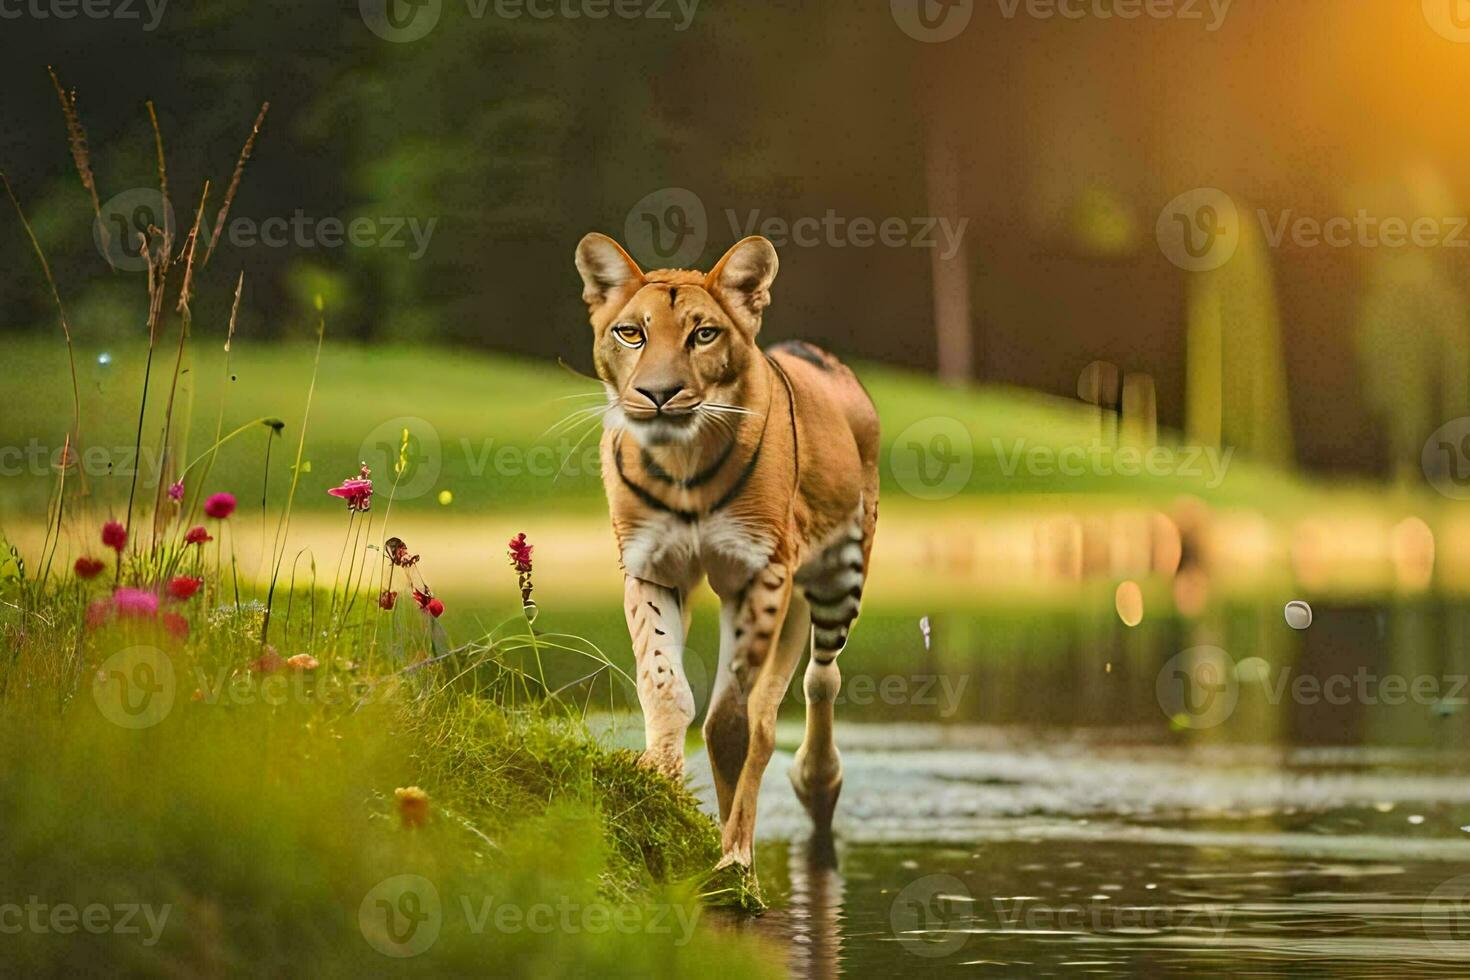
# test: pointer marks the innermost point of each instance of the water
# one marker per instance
(1048, 792)
(1002, 853)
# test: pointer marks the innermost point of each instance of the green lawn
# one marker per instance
(479, 424)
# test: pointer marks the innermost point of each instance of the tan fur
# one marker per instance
(757, 471)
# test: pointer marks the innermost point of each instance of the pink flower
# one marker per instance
(428, 603)
(176, 624)
(87, 567)
(520, 559)
(97, 613)
(356, 490)
(176, 491)
(115, 536)
(220, 505)
(197, 535)
(135, 602)
(520, 553)
(184, 587)
(387, 599)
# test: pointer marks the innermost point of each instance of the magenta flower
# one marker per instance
(197, 535)
(176, 491)
(135, 602)
(356, 490)
(114, 535)
(220, 505)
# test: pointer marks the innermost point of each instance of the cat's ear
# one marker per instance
(742, 279)
(607, 270)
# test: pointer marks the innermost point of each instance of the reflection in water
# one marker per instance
(814, 908)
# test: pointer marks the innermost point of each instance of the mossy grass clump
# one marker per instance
(265, 811)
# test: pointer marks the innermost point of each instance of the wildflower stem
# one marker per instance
(284, 525)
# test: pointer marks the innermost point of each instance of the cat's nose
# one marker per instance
(659, 396)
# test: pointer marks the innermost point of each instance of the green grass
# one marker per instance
(262, 814)
(477, 429)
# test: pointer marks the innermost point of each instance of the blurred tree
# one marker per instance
(1413, 337)
(1236, 374)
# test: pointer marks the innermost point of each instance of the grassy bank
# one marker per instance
(246, 816)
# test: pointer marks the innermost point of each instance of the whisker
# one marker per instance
(575, 416)
(573, 451)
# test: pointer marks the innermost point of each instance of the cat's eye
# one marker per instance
(629, 336)
(706, 335)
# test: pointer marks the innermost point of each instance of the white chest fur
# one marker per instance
(675, 552)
